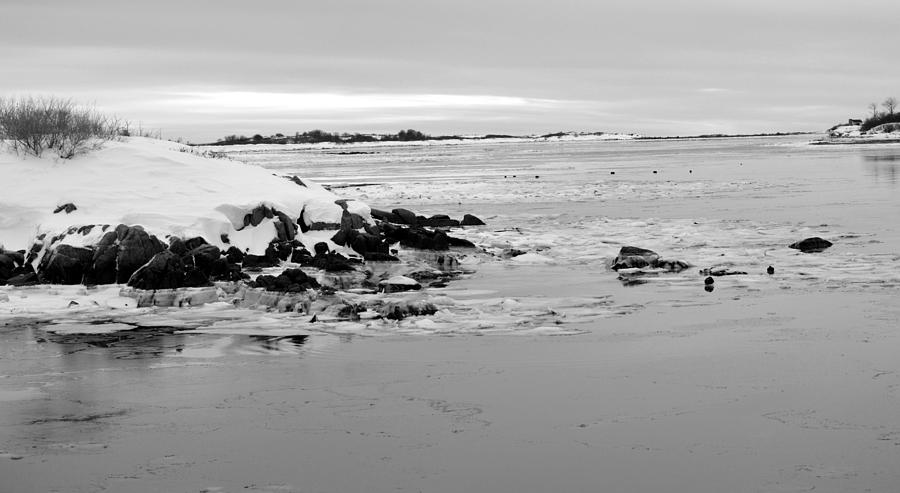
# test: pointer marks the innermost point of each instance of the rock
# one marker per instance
(25, 279)
(405, 216)
(440, 221)
(721, 270)
(350, 220)
(400, 309)
(136, 247)
(321, 248)
(709, 280)
(194, 278)
(7, 266)
(177, 246)
(296, 180)
(164, 271)
(251, 261)
(386, 216)
(301, 221)
(811, 245)
(234, 255)
(630, 257)
(289, 281)
(770, 270)
(290, 231)
(678, 266)
(65, 264)
(195, 242)
(205, 258)
(398, 283)
(470, 220)
(459, 242)
(301, 256)
(68, 208)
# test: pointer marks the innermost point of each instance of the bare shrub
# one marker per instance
(34, 125)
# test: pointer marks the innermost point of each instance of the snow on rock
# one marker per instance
(165, 187)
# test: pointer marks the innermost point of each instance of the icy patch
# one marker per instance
(69, 328)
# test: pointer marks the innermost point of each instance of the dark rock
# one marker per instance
(630, 257)
(770, 270)
(512, 252)
(720, 270)
(177, 246)
(136, 248)
(290, 231)
(257, 215)
(342, 203)
(400, 309)
(301, 221)
(164, 271)
(321, 248)
(289, 281)
(679, 265)
(205, 258)
(440, 221)
(470, 220)
(386, 216)
(323, 226)
(65, 264)
(194, 278)
(234, 255)
(405, 216)
(350, 220)
(459, 242)
(301, 256)
(332, 262)
(709, 280)
(811, 245)
(279, 250)
(25, 279)
(68, 208)
(7, 266)
(296, 180)
(251, 261)
(709, 288)
(194, 243)
(224, 238)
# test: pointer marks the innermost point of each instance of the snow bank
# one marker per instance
(168, 188)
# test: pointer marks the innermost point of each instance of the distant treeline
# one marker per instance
(725, 136)
(320, 136)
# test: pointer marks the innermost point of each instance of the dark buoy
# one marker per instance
(536, 177)
(654, 172)
(690, 171)
(770, 270)
(612, 172)
(708, 281)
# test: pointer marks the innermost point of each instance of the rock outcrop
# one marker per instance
(811, 245)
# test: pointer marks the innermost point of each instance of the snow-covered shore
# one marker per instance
(167, 188)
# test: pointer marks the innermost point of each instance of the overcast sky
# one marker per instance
(204, 69)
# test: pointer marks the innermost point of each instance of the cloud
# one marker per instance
(271, 102)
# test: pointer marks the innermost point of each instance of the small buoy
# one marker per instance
(654, 172)
(770, 270)
(612, 172)
(709, 280)
(690, 171)
(504, 176)
(536, 176)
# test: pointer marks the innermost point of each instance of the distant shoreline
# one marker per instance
(552, 137)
